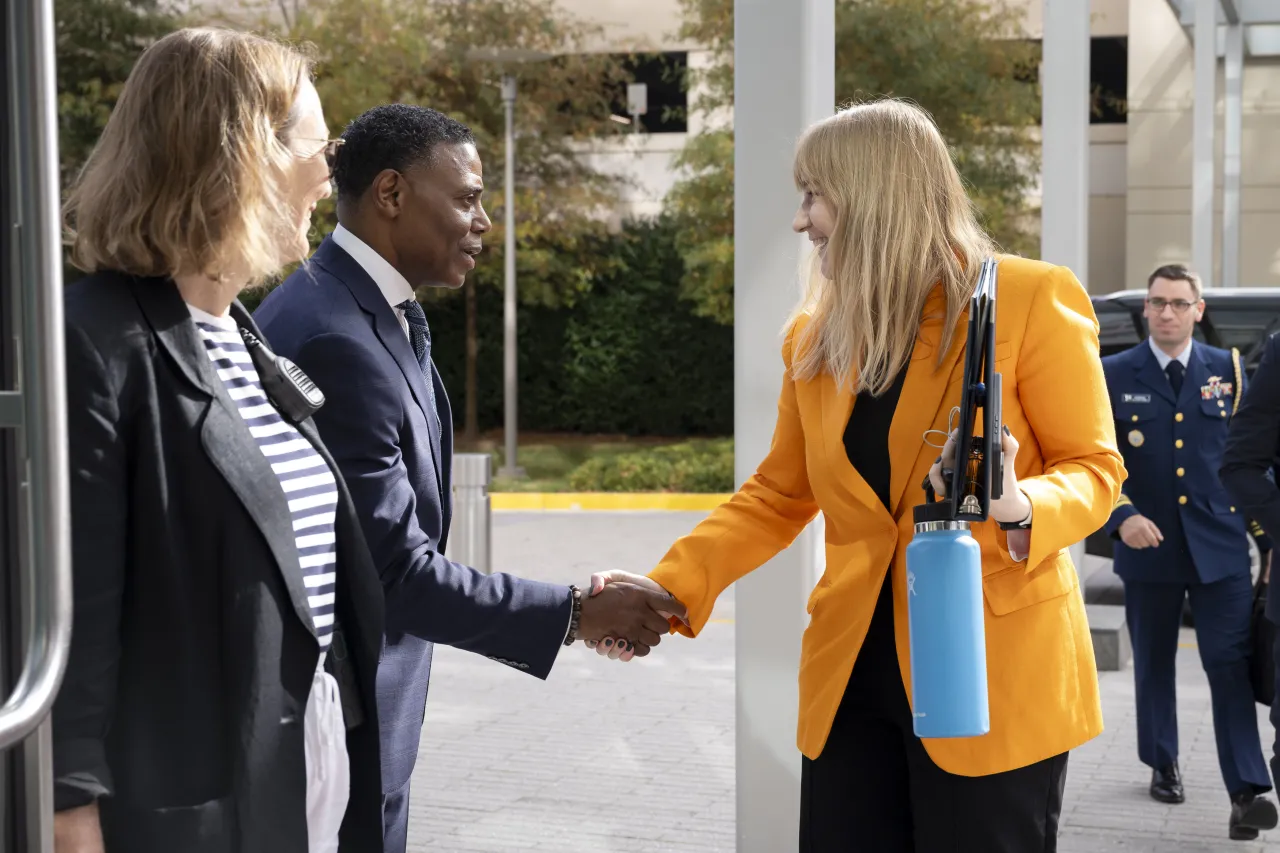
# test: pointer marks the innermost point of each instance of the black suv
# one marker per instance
(1240, 317)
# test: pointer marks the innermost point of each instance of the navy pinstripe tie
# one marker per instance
(420, 337)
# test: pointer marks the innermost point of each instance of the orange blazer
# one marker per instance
(1041, 673)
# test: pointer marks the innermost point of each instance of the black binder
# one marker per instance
(1262, 665)
(977, 477)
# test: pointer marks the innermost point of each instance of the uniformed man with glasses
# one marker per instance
(1180, 536)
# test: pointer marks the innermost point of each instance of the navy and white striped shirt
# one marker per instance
(304, 476)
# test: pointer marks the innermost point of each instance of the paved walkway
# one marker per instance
(639, 757)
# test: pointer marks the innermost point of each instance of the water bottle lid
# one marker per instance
(932, 511)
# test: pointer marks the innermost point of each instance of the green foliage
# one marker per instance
(634, 344)
(97, 42)
(709, 23)
(707, 243)
(947, 55)
(628, 356)
(694, 466)
(549, 460)
(372, 52)
(979, 89)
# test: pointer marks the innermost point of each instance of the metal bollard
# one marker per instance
(469, 534)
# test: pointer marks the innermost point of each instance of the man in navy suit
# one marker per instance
(1181, 535)
(409, 185)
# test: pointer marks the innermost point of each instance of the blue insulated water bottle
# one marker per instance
(948, 640)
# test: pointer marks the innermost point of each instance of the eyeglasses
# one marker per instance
(1180, 306)
(329, 147)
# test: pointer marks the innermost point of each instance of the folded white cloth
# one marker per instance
(328, 770)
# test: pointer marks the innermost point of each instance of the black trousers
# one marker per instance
(874, 789)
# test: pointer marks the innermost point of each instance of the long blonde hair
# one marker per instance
(186, 177)
(904, 225)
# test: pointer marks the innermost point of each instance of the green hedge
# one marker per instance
(629, 357)
(695, 466)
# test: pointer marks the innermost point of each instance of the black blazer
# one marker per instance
(192, 653)
(1249, 461)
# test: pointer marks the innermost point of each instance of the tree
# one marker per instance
(97, 43)
(953, 57)
(705, 196)
(371, 52)
(947, 56)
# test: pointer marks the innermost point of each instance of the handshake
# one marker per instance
(624, 615)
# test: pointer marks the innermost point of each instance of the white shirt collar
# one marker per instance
(1164, 358)
(395, 289)
(226, 321)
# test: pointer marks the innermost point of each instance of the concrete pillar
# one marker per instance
(1204, 117)
(1064, 82)
(1232, 130)
(1064, 79)
(784, 81)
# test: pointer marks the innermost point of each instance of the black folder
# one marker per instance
(976, 477)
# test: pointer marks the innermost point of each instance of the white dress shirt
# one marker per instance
(1164, 358)
(395, 289)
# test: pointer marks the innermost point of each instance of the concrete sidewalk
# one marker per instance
(639, 758)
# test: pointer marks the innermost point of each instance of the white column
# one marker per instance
(1064, 208)
(784, 80)
(1232, 129)
(1064, 80)
(1204, 117)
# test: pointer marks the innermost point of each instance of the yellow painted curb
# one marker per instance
(591, 501)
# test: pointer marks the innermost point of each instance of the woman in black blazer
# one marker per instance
(220, 692)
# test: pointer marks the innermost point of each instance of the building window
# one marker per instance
(1109, 80)
(664, 76)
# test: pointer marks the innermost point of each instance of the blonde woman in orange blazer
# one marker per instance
(873, 363)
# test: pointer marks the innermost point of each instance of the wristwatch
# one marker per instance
(1025, 524)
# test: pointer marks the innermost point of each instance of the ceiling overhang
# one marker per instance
(1260, 19)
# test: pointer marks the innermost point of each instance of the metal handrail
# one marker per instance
(41, 374)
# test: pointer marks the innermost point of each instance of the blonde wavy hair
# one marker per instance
(904, 225)
(187, 175)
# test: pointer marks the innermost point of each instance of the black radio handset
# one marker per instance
(290, 390)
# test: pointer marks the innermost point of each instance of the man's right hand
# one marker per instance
(628, 610)
(78, 830)
(1138, 531)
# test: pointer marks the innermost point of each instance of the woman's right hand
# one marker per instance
(78, 830)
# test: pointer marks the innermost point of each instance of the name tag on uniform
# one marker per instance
(1137, 398)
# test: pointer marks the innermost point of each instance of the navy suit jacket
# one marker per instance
(1249, 464)
(331, 319)
(1172, 450)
